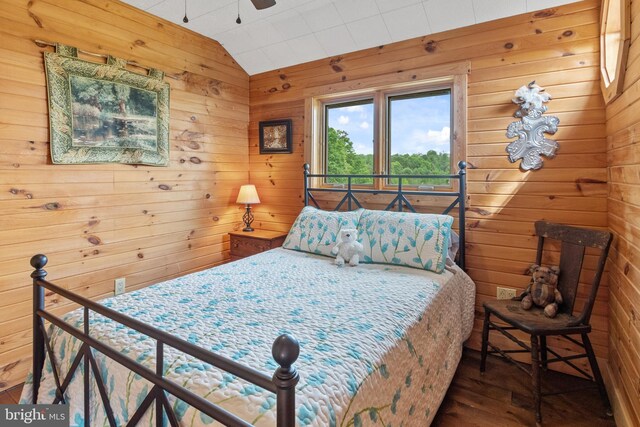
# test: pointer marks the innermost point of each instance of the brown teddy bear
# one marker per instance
(542, 290)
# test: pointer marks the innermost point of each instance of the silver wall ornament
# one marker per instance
(530, 129)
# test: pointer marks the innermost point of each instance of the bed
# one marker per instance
(377, 343)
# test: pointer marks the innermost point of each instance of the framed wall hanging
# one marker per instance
(275, 137)
(104, 113)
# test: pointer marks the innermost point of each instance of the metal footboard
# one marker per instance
(285, 351)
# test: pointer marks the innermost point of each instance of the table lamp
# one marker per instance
(248, 196)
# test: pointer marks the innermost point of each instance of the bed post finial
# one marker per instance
(462, 165)
(38, 262)
(306, 168)
(285, 351)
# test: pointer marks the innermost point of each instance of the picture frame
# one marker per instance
(275, 137)
(101, 112)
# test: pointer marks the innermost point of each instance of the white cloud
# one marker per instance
(364, 125)
(362, 148)
(343, 120)
(421, 141)
(442, 137)
(353, 108)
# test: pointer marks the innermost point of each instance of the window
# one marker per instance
(348, 139)
(615, 36)
(419, 135)
(406, 129)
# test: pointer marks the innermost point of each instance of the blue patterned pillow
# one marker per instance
(404, 238)
(315, 230)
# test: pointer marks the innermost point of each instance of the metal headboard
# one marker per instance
(400, 201)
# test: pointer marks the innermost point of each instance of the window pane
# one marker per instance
(349, 140)
(419, 135)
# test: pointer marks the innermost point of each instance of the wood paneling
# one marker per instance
(623, 124)
(100, 222)
(558, 48)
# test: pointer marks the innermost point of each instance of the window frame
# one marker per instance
(615, 18)
(315, 105)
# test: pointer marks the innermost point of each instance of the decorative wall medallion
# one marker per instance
(530, 130)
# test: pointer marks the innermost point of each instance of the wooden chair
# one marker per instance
(568, 322)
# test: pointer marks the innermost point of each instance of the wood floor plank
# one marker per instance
(5, 398)
(502, 397)
(15, 393)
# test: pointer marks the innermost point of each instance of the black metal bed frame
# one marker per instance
(400, 202)
(285, 349)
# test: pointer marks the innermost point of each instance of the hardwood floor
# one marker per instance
(501, 397)
(11, 395)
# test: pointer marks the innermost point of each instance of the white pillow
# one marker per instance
(316, 231)
(405, 238)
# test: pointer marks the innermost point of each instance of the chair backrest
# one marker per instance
(574, 241)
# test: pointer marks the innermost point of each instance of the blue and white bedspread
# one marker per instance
(379, 344)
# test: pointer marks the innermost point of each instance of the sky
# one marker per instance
(417, 125)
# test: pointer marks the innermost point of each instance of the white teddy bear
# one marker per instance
(348, 249)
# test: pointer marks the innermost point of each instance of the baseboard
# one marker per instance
(620, 413)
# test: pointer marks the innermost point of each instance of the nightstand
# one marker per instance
(244, 244)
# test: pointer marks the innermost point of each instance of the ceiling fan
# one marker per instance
(263, 4)
(258, 4)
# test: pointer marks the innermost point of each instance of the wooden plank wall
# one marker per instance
(623, 130)
(556, 47)
(100, 222)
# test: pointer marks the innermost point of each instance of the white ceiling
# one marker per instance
(297, 31)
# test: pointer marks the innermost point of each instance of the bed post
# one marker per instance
(462, 165)
(38, 262)
(285, 352)
(306, 184)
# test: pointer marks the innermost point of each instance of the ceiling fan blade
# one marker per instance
(263, 4)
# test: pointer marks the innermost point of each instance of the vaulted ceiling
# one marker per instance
(297, 31)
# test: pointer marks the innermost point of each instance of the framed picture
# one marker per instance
(104, 113)
(275, 137)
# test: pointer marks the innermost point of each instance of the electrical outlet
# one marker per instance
(506, 293)
(120, 285)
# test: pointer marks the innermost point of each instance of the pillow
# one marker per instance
(404, 238)
(315, 230)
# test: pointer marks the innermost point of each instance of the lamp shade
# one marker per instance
(248, 195)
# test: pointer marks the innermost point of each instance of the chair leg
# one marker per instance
(596, 374)
(485, 340)
(543, 351)
(535, 378)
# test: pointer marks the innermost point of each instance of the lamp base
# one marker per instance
(248, 219)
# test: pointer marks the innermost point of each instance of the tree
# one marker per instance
(342, 159)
